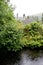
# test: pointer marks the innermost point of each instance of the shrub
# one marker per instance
(33, 33)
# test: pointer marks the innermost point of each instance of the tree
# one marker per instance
(23, 15)
(27, 17)
(10, 33)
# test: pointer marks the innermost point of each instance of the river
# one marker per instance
(24, 57)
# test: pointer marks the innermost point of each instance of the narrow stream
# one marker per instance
(24, 57)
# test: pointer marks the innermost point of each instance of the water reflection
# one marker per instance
(25, 57)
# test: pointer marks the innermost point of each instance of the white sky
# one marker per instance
(29, 7)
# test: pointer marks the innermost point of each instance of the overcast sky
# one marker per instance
(29, 7)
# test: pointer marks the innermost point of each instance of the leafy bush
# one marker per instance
(33, 33)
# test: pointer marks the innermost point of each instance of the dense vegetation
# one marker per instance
(33, 35)
(10, 29)
(13, 35)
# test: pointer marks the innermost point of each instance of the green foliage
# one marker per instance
(13, 35)
(33, 33)
(10, 29)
